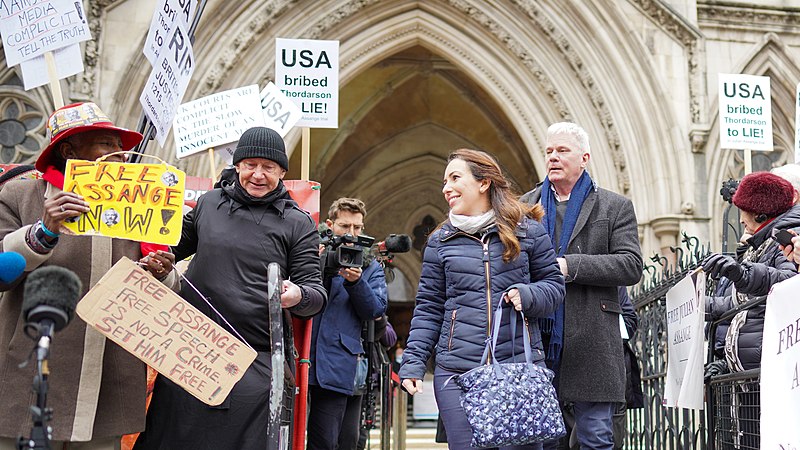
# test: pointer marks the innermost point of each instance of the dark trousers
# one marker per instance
(459, 433)
(593, 426)
(332, 420)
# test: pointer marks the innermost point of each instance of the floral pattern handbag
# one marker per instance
(510, 403)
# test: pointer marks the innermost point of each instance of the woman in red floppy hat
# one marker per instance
(96, 389)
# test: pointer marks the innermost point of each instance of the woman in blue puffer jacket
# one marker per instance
(491, 249)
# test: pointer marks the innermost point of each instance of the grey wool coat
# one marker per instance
(603, 254)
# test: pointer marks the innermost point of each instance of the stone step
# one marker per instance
(416, 438)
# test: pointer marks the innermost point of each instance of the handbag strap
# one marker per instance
(491, 344)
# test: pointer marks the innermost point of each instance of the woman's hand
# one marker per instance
(513, 297)
(412, 385)
(61, 207)
(159, 263)
(792, 251)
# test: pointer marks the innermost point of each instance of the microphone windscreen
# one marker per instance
(12, 264)
(52, 286)
(398, 243)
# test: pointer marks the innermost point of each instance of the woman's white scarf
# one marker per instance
(473, 224)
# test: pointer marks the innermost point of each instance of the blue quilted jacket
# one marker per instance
(461, 273)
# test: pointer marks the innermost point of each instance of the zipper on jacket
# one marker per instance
(487, 273)
(452, 330)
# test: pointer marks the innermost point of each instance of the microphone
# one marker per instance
(395, 243)
(50, 296)
(12, 264)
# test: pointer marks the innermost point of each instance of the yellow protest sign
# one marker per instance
(140, 202)
(133, 309)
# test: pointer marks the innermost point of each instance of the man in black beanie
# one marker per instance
(237, 229)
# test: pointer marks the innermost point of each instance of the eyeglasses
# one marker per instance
(357, 229)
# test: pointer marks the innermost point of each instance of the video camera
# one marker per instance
(337, 255)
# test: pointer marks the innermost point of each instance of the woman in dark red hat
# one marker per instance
(765, 201)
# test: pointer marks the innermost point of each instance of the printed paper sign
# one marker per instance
(168, 81)
(31, 28)
(216, 119)
(69, 61)
(133, 309)
(685, 315)
(780, 368)
(797, 124)
(280, 113)
(195, 187)
(166, 15)
(307, 71)
(140, 202)
(745, 112)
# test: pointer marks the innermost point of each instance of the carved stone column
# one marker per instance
(667, 230)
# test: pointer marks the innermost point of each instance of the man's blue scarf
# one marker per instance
(554, 324)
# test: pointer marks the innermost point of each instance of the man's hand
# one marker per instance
(562, 264)
(412, 385)
(513, 297)
(351, 274)
(291, 294)
(158, 263)
(60, 207)
(715, 368)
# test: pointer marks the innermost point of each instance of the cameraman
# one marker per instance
(355, 295)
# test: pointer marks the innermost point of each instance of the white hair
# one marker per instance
(572, 129)
(790, 173)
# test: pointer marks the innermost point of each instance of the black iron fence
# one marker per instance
(655, 426)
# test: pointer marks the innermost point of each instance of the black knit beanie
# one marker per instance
(261, 142)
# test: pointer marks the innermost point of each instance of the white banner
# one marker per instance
(780, 368)
(745, 112)
(166, 15)
(685, 316)
(69, 61)
(167, 83)
(32, 28)
(307, 71)
(217, 119)
(797, 124)
(280, 113)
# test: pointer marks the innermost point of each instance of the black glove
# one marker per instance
(717, 265)
(715, 368)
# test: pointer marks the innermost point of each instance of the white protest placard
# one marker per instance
(797, 124)
(133, 309)
(780, 368)
(216, 119)
(31, 28)
(165, 16)
(307, 71)
(69, 61)
(280, 113)
(167, 83)
(745, 112)
(685, 314)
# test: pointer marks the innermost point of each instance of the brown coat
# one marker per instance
(97, 389)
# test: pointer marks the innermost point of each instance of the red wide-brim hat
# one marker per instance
(78, 118)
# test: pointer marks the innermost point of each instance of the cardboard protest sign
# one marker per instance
(133, 309)
(280, 113)
(745, 112)
(31, 28)
(780, 368)
(685, 314)
(216, 119)
(168, 81)
(307, 71)
(166, 15)
(141, 202)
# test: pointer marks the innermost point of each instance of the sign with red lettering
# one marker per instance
(133, 309)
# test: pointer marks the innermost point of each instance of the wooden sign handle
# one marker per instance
(55, 83)
(211, 164)
(305, 155)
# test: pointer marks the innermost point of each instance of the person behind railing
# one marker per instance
(766, 204)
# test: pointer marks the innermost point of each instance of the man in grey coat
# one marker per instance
(597, 246)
